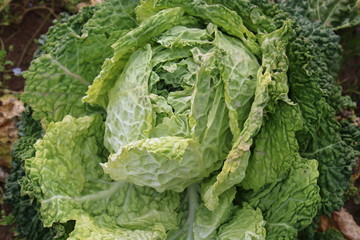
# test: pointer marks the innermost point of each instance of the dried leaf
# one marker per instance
(325, 223)
(3, 175)
(92, 3)
(10, 109)
(343, 221)
(346, 224)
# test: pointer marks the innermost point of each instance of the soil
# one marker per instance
(6, 232)
(34, 19)
(350, 70)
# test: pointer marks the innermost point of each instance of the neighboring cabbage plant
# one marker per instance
(175, 119)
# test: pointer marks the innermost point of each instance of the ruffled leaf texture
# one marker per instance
(336, 14)
(25, 209)
(225, 222)
(289, 205)
(320, 139)
(71, 58)
(69, 184)
(175, 119)
(328, 59)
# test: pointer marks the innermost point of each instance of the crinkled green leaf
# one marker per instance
(196, 221)
(166, 163)
(274, 58)
(247, 223)
(24, 209)
(129, 111)
(79, 190)
(255, 17)
(72, 58)
(337, 14)
(326, 47)
(350, 133)
(48, 78)
(238, 72)
(218, 14)
(320, 139)
(331, 233)
(124, 47)
(87, 229)
(180, 36)
(275, 148)
(208, 222)
(289, 206)
(176, 125)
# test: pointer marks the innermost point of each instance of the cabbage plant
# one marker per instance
(169, 119)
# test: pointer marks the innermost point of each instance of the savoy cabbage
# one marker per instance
(169, 119)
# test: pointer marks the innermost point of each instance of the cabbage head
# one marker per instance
(169, 119)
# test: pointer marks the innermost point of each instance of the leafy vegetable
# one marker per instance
(317, 79)
(28, 223)
(337, 14)
(187, 119)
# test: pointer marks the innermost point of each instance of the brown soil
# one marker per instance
(350, 70)
(33, 19)
(6, 232)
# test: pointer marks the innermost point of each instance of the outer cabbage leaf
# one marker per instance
(328, 59)
(247, 223)
(276, 148)
(290, 205)
(72, 57)
(23, 208)
(320, 138)
(314, 62)
(350, 133)
(331, 233)
(87, 229)
(67, 180)
(337, 14)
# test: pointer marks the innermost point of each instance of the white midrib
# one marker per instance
(286, 225)
(192, 199)
(193, 205)
(331, 12)
(95, 196)
(69, 73)
(319, 150)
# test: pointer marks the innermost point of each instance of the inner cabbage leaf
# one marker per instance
(171, 115)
